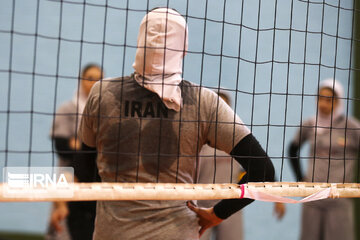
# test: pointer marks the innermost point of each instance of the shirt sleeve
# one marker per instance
(88, 124)
(225, 128)
(304, 132)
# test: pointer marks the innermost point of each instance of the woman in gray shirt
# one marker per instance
(150, 127)
(334, 146)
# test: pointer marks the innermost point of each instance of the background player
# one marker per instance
(80, 216)
(334, 142)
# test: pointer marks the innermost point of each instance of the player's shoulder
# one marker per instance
(194, 86)
(99, 85)
(107, 83)
(194, 91)
(187, 86)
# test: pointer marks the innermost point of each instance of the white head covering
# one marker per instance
(324, 121)
(162, 43)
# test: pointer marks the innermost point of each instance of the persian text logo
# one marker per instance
(39, 181)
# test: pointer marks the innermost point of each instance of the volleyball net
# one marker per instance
(268, 57)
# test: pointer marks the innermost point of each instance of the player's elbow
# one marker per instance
(255, 161)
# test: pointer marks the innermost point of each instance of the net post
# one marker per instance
(356, 93)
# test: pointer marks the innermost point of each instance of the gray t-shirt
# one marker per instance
(336, 154)
(139, 140)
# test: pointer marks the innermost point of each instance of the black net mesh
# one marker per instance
(269, 57)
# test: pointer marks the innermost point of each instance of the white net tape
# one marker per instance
(170, 191)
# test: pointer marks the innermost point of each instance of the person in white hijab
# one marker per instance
(64, 219)
(334, 147)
